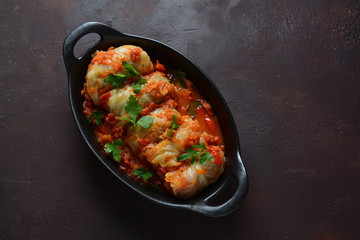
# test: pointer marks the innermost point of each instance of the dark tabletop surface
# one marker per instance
(289, 70)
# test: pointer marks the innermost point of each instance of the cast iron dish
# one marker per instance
(234, 168)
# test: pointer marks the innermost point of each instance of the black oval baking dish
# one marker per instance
(234, 168)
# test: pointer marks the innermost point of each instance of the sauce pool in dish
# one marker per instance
(153, 122)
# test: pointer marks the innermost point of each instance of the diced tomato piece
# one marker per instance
(206, 122)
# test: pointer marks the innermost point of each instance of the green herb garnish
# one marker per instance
(97, 116)
(202, 154)
(112, 148)
(206, 156)
(118, 80)
(174, 126)
(179, 75)
(145, 121)
(142, 173)
(133, 108)
(137, 86)
(130, 70)
(189, 153)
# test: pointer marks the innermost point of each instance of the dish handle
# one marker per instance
(240, 177)
(84, 29)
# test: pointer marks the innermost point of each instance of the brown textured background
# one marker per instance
(289, 70)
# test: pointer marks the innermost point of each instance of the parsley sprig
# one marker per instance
(174, 125)
(179, 75)
(118, 80)
(130, 70)
(133, 108)
(113, 149)
(142, 173)
(97, 116)
(201, 154)
(137, 86)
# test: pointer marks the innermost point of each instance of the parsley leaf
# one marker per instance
(133, 108)
(201, 146)
(206, 156)
(202, 154)
(97, 116)
(141, 172)
(189, 153)
(179, 75)
(118, 80)
(174, 125)
(112, 148)
(130, 71)
(137, 86)
(145, 121)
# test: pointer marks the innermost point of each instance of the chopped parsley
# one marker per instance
(174, 125)
(145, 121)
(137, 86)
(113, 149)
(142, 173)
(179, 76)
(118, 80)
(133, 108)
(130, 71)
(97, 116)
(202, 155)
